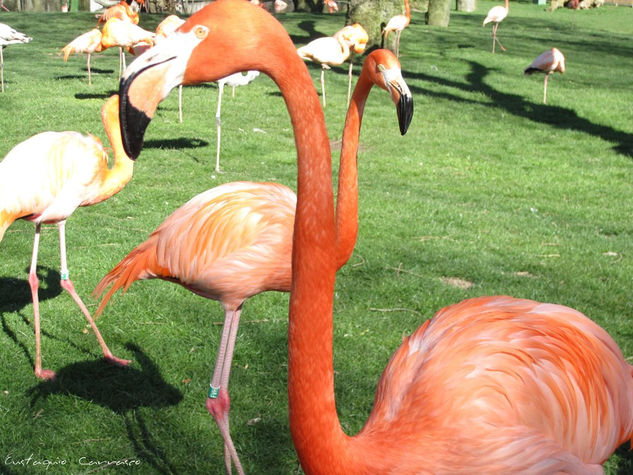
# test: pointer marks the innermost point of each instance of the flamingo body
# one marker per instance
(88, 43)
(9, 36)
(555, 396)
(170, 24)
(44, 179)
(549, 62)
(125, 34)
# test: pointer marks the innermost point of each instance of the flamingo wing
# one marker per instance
(514, 375)
(496, 14)
(88, 42)
(326, 50)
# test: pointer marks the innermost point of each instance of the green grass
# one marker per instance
(488, 186)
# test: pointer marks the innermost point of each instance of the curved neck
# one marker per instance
(114, 179)
(314, 424)
(347, 193)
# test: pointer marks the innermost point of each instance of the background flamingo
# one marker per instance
(356, 36)
(233, 80)
(335, 50)
(233, 241)
(44, 179)
(9, 36)
(124, 34)
(496, 15)
(398, 23)
(549, 62)
(88, 43)
(494, 384)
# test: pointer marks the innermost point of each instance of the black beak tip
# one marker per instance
(133, 121)
(405, 112)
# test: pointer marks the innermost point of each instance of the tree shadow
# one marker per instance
(119, 389)
(551, 115)
(95, 95)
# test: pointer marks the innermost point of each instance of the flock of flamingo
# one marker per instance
(490, 384)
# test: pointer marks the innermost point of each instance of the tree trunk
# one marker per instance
(439, 13)
(466, 6)
(374, 15)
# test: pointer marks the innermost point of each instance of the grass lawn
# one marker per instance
(490, 192)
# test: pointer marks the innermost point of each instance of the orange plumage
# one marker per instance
(88, 43)
(490, 385)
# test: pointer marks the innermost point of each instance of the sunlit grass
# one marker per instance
(489, 189)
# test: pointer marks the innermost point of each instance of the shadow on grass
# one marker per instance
(118, 389)
(100, 95)
(15, 294)
(178, 144)
(551, 115)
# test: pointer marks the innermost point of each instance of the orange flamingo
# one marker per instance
(9, 36)
(124, 34)
(331, 5)
(494, 384)
(551, 61)
(44, 179)
(121, 10)
(89, 42)
(398, 23)
(234, 241)
(496, 15)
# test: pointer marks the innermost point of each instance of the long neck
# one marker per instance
(507, 5)
(407, 9)
(114, 179)
(347, 194)
(314, 424)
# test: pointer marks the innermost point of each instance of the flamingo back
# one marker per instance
(88, 42)
(496, 14)
(46, 177)
(9, 36)
(507, 377)
(121, 33)
(122, 11)
(227, 243)
(326, 50)
(549, 61)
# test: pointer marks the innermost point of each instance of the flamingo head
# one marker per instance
(223, 38)
(384, 69)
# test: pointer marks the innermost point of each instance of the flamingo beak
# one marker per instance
(400, 95)
(148, 80)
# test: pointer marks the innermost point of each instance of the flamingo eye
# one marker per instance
(201, 32)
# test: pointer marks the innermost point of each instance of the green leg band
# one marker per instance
(213, 392)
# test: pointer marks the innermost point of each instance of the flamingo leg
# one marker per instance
(545, 89)
(495, 39)
(218, 402)
(2, 67)
(218, 123)
(67, 285)
(34, 284)
(180, 103)
(88, 65)
(398, 33)
(349, 78)
(323, 84)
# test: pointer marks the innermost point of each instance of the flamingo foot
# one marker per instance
(46, 374)
(113, 360)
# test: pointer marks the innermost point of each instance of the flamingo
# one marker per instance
(331, 5)
(9, 36)
(334, 50)
(233, 80)
(89, 42)
(124, 34)
(44, 179)
(356, 36)
(491, 384)
(234, 241)
(496, 15)
(398, 23)
(549, 62)
(122, 11)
